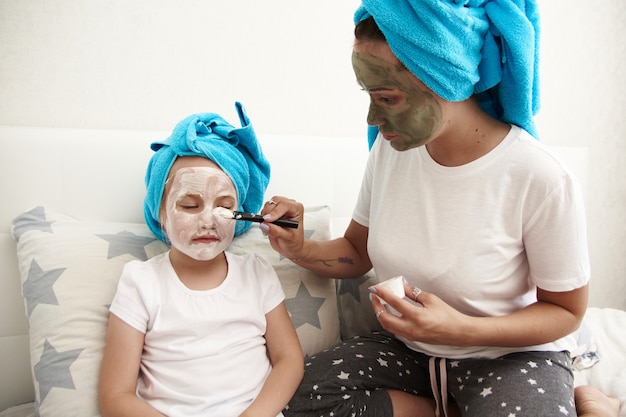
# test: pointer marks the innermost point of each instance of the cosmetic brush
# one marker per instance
(251, 217)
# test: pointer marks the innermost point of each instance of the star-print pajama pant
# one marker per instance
(351, 380)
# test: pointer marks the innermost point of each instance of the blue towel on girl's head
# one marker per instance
(235, 150)
(463, 47)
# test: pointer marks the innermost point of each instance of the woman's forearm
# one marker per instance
(344, 257)
(333, 258)
(541, 322)
(533, 325)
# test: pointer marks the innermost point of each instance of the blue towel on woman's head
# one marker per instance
(235, 150)
(463, 47)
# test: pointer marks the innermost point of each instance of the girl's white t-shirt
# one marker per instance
(205, 351)
(481, 236)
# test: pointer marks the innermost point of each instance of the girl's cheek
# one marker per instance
(224, 225)
(180, 223)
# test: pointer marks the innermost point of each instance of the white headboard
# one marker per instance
(98, 174)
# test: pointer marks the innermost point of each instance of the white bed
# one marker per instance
(90, 182)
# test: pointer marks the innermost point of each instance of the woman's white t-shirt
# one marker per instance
(204, 351)
(481, 236)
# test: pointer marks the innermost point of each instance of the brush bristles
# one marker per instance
(223, 212)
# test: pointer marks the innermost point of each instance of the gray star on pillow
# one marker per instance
(127, 242)
(308, 233)
(352, 287)
(53, 369)
(38, 286)
(34, 219)
(304, 308)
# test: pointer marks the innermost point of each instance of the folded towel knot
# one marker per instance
(460, 48)
(235, 150)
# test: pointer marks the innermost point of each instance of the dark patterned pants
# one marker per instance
(351, 380)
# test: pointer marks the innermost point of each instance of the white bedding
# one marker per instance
(608, 337)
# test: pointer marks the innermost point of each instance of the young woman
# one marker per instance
(486, 226)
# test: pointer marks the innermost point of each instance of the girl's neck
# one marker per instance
(199, 275)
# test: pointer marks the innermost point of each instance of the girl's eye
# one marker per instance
(189, 207)
(189, 203)
(226, 202)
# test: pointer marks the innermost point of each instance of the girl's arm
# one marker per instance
(119, 371)
(287, 361)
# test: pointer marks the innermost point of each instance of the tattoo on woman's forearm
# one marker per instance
(341, 260)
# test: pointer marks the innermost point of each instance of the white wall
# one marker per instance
(145, 64)
(148, 63)
(584, 104)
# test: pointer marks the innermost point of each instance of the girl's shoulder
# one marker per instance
(250, 261)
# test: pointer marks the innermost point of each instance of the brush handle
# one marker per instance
(292, 224)
(251, 217)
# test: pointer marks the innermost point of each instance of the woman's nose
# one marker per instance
(373, 117)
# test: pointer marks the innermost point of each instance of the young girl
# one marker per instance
(198, 331)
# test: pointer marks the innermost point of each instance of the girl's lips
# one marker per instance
(390, 137)
(206, 239)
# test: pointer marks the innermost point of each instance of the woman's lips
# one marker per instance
(390, 137)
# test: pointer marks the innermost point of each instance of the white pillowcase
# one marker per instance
(69, 270)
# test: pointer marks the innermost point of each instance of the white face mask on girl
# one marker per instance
(192, 225)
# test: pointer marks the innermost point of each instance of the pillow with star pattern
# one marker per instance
(69, 270)
(354, 306)
(311, 299)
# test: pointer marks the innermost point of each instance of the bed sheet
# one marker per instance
(607, 339)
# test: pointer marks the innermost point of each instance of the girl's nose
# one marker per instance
(207, 218)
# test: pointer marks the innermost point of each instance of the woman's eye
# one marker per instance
(384, 100)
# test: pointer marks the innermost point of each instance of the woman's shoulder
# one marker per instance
(534, 157)
(533, 169)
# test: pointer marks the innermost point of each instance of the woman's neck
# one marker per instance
(469, 135)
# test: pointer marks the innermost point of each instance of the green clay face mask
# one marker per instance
(407, 113)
